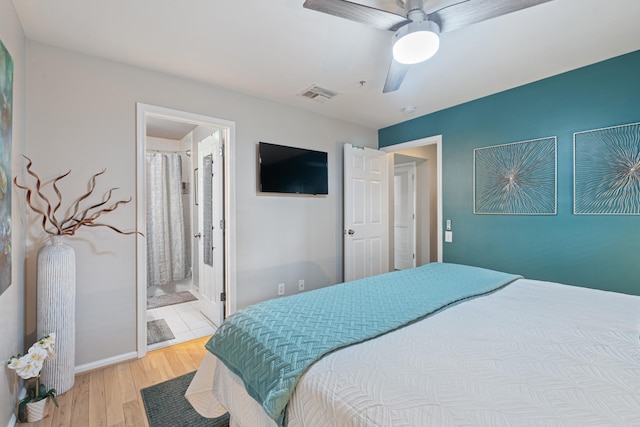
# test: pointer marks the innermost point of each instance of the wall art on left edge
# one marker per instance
(6, 113)
(519, 178)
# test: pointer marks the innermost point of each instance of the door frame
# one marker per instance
(144, 111)
(437, 140)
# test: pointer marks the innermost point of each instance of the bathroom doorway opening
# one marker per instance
(426, 154)
(185, 203)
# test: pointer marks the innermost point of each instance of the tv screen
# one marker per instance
(292, 170)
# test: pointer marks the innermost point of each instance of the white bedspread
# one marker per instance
(532, 354)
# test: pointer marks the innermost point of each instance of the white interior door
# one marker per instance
(366, 217)
(404, 217)
(211, 227)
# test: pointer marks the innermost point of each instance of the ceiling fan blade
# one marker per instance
(469, 12)
(373, 17)
(432, 6)
(395, 76)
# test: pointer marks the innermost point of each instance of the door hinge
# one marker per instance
(223, 297)
(222, 224)
(414, 256)
(357, 147)
(221, 151)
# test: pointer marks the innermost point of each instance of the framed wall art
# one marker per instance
(6, 114)
(606, 171)
(519, 178)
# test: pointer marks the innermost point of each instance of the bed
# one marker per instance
(520, 352)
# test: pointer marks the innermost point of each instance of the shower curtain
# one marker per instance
(168, 258)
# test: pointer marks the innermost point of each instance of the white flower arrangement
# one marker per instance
(28, 366)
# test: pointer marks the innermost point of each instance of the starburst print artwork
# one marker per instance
(607, 171)
(516, 179)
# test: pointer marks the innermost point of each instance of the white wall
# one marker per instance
(81, 113)
(12, 300)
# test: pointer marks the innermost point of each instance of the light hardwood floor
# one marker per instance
(111, 397)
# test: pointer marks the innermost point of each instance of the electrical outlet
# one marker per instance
(280, 288)
(301, 285)
(448, 225)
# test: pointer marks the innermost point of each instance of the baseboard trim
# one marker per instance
(103, 363)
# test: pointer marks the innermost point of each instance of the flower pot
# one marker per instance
(37, 410)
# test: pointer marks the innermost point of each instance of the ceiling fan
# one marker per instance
(416, 34)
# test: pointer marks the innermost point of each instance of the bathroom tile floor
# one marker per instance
(185, 321)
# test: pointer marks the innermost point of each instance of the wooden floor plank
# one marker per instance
(134, 415)
(196, 352)
(62, 414)
(176, 360)
(97, 399)
(128, 389)
(156, 367)
(151, 369)
(80, 404)
(139, 374)
(113, 396)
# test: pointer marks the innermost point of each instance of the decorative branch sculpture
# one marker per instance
(77, 218)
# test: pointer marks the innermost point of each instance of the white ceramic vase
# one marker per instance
(56, 287)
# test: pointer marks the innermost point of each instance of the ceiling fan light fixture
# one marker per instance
(416, 42)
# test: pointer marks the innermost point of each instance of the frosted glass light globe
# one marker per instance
(415, 47)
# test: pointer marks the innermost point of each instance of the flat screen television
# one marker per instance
(294, 170)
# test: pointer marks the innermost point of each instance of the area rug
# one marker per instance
(157, 331)
(166, 406)
(170, 299)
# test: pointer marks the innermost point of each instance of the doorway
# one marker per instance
(427, 154)
(177, 140)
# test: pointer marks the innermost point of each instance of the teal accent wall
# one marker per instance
(600, 252)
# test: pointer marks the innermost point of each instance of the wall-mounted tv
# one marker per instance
(294, 170)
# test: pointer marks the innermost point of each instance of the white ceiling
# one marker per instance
(160, 127)
(276, 49)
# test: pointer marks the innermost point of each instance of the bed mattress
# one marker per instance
(533, 353)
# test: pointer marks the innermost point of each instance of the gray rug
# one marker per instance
(158, 331)
(166, 406)
(170, 299)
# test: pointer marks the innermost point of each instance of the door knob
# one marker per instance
(197, 235)
(351, 232)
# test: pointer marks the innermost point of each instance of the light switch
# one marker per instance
(448, 225)
(448, 236)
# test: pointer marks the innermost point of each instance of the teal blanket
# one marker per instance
(271, 344)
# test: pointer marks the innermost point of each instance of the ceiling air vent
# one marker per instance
(317, 93)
